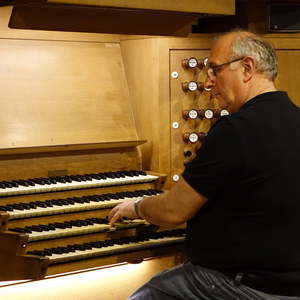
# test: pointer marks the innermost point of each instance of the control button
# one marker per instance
(208, 114)
(194, 137)
(224, 112)
(190, 114)
(193, 86)
(187, 153)
(191, 137)
(175, 125)
(174, 75)
(193, 62)
(175, 177)
(220, 113)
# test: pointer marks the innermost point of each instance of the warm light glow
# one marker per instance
(113, 283)
(85, 270)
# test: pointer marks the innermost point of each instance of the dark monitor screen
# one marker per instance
(284, 17)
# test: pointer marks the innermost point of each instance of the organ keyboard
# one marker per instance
(112, 246)
(62, 229)
(61, 183)
(58, 224)
(73, 204)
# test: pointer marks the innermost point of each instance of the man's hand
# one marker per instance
(124, 210)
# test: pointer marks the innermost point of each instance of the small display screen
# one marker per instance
(284, 17)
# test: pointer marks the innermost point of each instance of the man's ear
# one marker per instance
(249, 65)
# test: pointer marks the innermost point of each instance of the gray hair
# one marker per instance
(262, 51)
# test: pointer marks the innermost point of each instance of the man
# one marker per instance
(239, 195)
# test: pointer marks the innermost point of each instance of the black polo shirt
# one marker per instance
(249, 169)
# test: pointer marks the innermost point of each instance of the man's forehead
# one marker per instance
(220, 50)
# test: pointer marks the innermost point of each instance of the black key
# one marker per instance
(68, 179)
(120, 174)
(41, 204)
(9, 207)
(47, 252)
(60, 179)
(37, 252)
(58, 250)
(82, 177)
(70, 201)
(30, 182)
(88, 177)
(19, 229)
(7, 184)
(120, 195)
(75, 178)
(15, 183)
(2, 185)
(49, 203)
(16, 206)
(36, 228)
(95, 176)
(70, 248)
(102, 175)
(59, 225)
(22, 182)
(52, 180)
(40, 181)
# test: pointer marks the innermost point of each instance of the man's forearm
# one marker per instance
(172, 208)
(157, 210)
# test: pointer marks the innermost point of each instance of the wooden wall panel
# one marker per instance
(74, 162)
(289, 73)
(56, 93)
(141, 61)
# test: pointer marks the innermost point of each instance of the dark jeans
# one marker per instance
(192, 282)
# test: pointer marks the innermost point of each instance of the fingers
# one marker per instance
(115, 218)
(114, 215)
(112, 212)
(123, 210)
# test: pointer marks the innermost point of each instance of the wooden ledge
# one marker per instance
(71, 147)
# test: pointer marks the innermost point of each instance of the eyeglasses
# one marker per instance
(212, 71)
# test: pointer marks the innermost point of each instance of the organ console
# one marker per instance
(76, 112)
(71, 150)
(58, 224)
(81, 134)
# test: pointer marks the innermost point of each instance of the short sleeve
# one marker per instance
(218, 162)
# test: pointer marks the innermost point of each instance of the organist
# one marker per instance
(239, 196)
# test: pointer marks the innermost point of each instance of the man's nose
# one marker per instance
(208, 83)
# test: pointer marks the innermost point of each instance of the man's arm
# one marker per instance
(174, 207)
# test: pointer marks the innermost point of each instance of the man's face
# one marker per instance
(226, 85)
